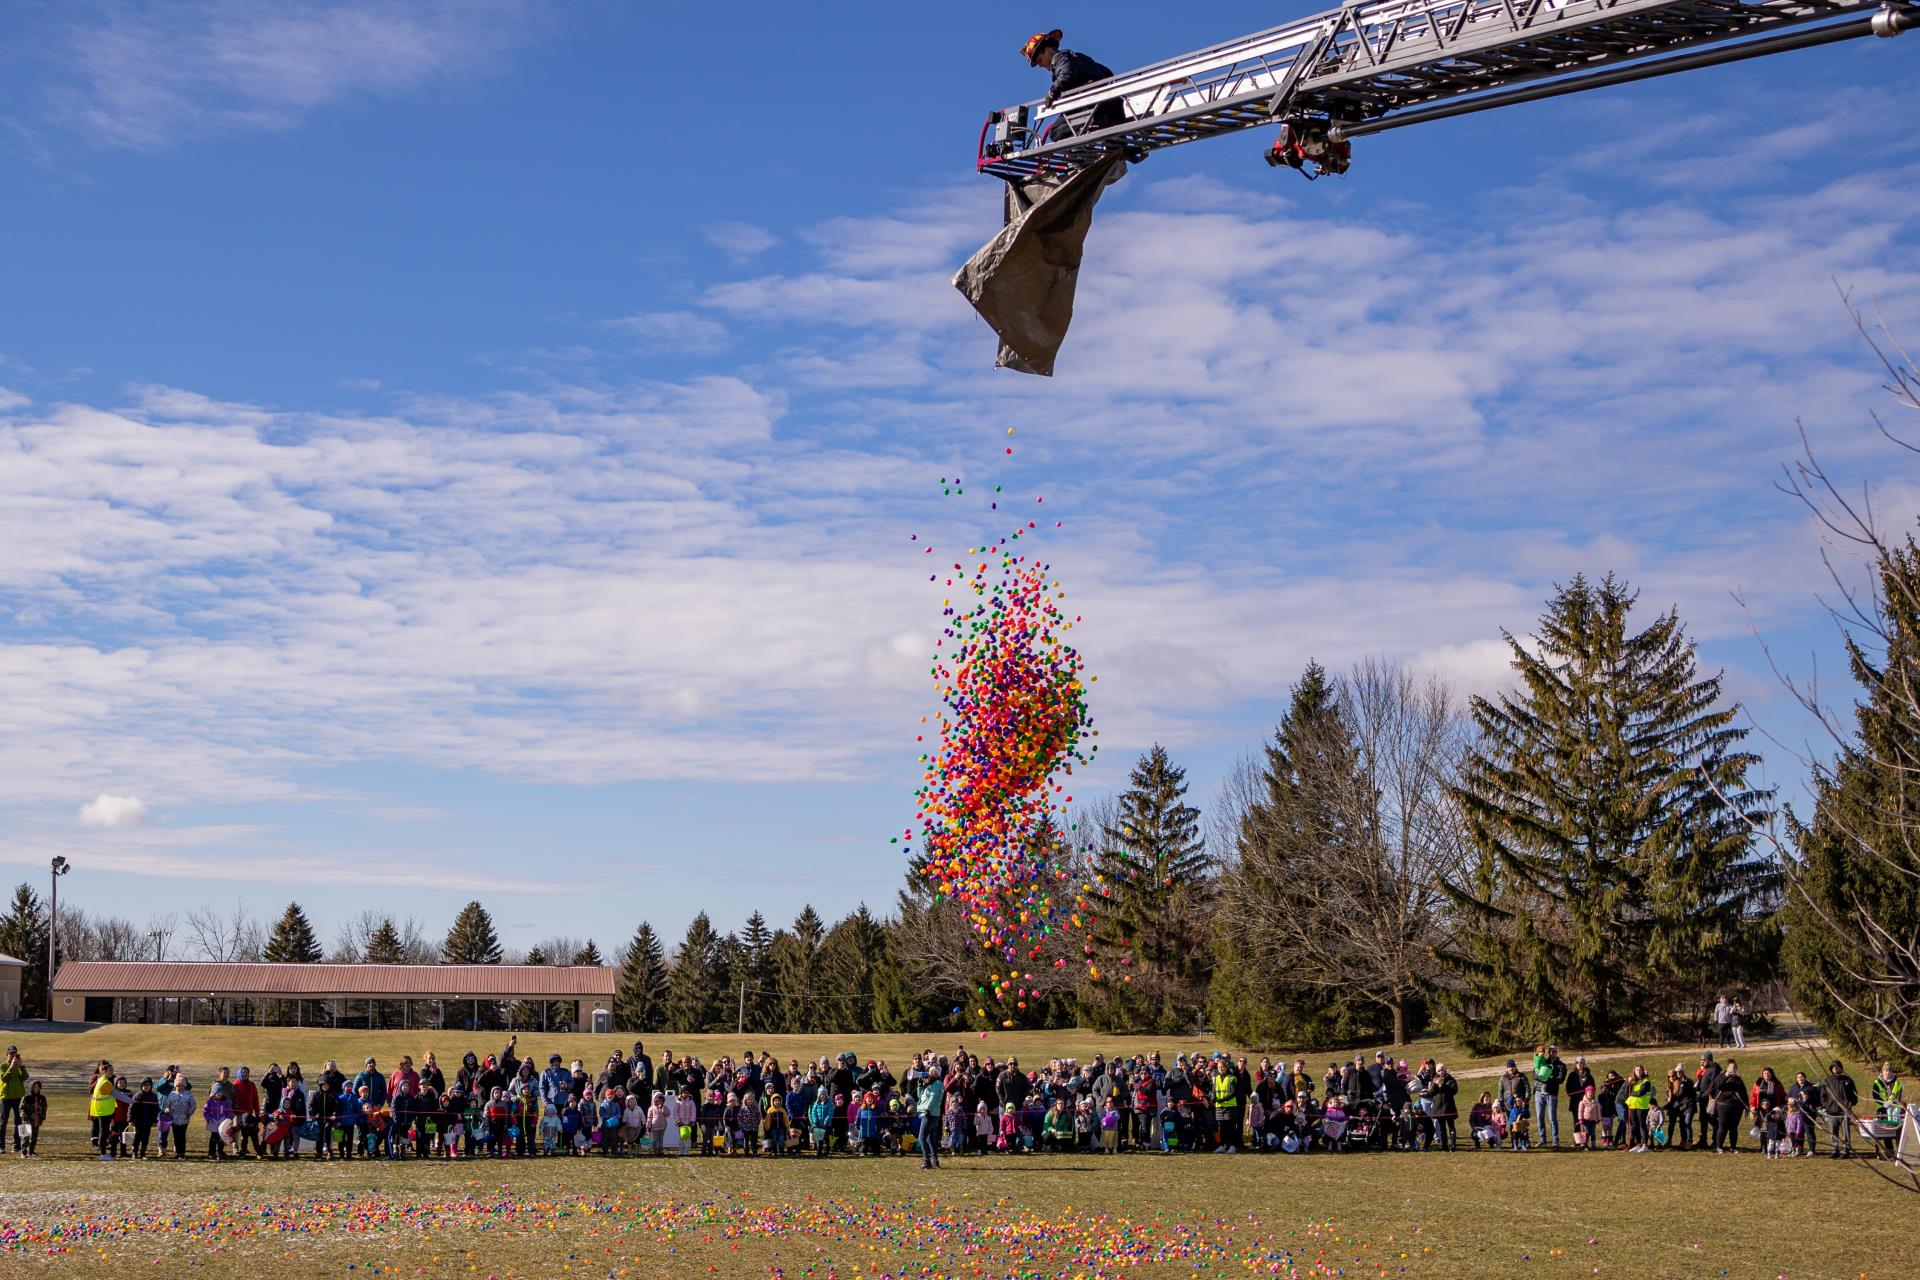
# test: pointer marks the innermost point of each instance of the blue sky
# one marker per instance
(454, 451)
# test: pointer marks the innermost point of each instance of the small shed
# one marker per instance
(12, 973)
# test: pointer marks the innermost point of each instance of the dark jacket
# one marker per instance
(1838, 1094)
(1073, 71)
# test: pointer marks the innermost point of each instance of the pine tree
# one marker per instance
(851, 959)
(694, 999)
(1615, 884)
(906, 990)
(23, 935)
(796, 961)
(1852, 921)
(757, 941)
(472, 940)
(532, 1015)
(1150, 930)
(1294, 833)
(587, 955)
(292, 942)
(640, 990)
(385, 946)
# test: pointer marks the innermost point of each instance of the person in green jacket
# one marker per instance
(1057, 1131)
(13, 1090)
(1639, 1090)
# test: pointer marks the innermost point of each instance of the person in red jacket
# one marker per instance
(246, 1113)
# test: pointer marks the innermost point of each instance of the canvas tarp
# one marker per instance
(1022, 281)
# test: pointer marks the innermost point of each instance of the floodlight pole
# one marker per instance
(60, 867)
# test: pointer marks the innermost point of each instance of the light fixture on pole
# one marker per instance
(60, 868)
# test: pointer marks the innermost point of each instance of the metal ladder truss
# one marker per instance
(1362, 62)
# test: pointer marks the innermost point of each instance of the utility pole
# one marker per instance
(741, 1026)
(159, 940)
(60, 867)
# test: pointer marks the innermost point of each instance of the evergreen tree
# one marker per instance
(906, 991)
(23, 935)
(1150, 931)
(587, 955)
(796, 961)
(729, 976)
(851, 959)
(1615, 883)
(1852, 921)
(385, 946)
(472, 940)
(292, 942)
(640, 990)
(762, 994)
(532, 1015)
(1295, 832)
(694, 999)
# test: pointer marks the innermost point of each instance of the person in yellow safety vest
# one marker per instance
(1639, 1102)
(1227, 1104)
(100, 1108)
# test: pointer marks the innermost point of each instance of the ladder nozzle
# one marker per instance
(1895, 18)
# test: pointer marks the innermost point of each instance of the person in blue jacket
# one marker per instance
(1071, 72)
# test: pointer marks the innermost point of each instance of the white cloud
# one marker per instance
(113, 811)
(672, 331)
(741, 239)
(10, 400)
(150, 78)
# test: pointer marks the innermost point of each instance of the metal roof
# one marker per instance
(413, 981)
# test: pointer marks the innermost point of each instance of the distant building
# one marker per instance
(12, 973)
(406, 995)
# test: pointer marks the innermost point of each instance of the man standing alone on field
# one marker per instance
(1723, 1021)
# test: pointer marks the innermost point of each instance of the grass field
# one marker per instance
(1550, 1215)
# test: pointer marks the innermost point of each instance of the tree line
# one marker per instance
(1581, 858)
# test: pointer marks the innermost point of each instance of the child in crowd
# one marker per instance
(1795, 1126)
(732, 1121)
(1587, 1132)
(820, 1121)
(612, 1113)
(1519, 1125)
(1009, 1136)
(1110, 1129)
(773, 1125)
(983, 1128)
(867, 1124)
(959, 1123)
(686, 1114)
(711, 1111)
(660, 1115)
(1480, 1123)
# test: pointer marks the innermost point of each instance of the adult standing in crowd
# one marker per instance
(1729, 1104)
(1838, 1097)
(13, 1092)
(1549, 1073)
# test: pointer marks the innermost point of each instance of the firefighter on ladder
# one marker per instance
(1071, 72)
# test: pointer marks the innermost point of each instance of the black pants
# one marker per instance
(1229, 1118)
(103, 1134)
(10, 1120)
(141, 1132)
(1726, 1128)
(216, 1149)
(178, 1133)
(1443, 1126)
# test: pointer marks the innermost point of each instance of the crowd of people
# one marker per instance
(504, 1106)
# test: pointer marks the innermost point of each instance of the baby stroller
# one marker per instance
(1366, 1128)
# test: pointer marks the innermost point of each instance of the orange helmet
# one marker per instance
(1035, 43)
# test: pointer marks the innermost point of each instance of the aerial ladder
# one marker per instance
(1374, 65)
